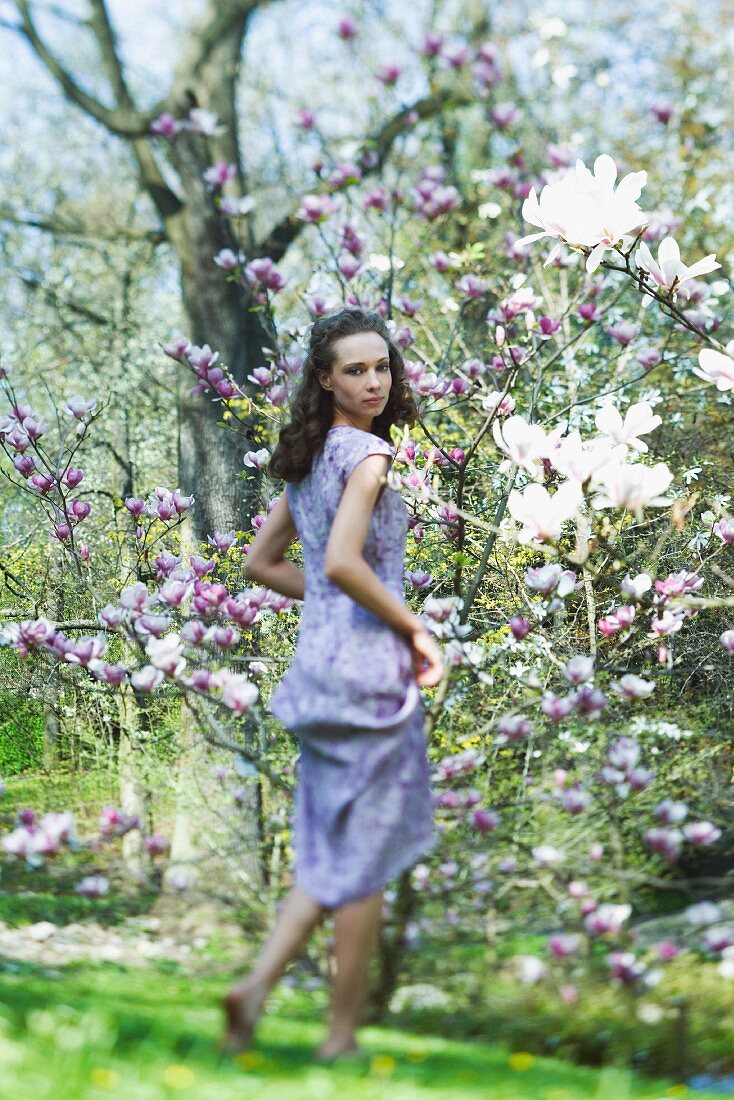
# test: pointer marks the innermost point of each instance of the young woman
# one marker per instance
(363, 801)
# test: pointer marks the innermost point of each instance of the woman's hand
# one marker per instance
(427, 658)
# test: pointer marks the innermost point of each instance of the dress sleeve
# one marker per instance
(358, 446)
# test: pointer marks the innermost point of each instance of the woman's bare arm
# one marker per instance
(265, 561)
(344, 564)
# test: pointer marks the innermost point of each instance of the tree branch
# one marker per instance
(125, 121)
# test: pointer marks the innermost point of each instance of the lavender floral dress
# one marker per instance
(363, 803)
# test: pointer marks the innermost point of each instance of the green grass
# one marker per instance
(104, 1030)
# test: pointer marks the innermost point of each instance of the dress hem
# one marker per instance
(409, 857)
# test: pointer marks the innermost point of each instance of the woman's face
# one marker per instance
(360, 378)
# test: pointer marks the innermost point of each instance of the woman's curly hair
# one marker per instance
(312, 410)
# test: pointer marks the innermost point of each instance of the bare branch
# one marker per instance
(125, 121)
(61, 228)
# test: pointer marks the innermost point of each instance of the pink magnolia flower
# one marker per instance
(471, 286)
(78, 406)
(575, 801)
(668, 623)
(229, 260)
(264, 272)
(519, 627)
(347, 28)
(219, 174)
(525, 444)
(563, 945)
(115, 822)
(701, 832)
(665, 841)
(432, 44)
(388, 74)
(512, 727)
(316, 208)
(165, 125)
(670, 813)
(237, 692)
(305, 118)
(578, 669)
(727, 640)
(156, 843)
(724, 528)
(504, 115)
(624, 332)
(607, 919)
(484, 821)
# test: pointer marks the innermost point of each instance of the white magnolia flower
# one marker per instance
(633, 687)
(717, 366)
(525, 444)
(669, 272)
(548, 856)
(582, 209)
(639, 419)
(578, 460)
(542, 514)
(637, 586)
(166, 654)
(530, 969)
(633, 486)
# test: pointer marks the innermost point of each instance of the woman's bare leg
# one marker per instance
(298, 916)
(357, 926)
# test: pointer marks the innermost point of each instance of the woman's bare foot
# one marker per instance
(334, 1047)
(242, 1006)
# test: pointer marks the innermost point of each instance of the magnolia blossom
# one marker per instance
(583, 210)
(541, 514)
(256, 460)
(93, 886)
(701, 832)
(548, 856)
(577, 460)
(632, 486)
(495, 400)
(669, 272)
(607, 919)
(636, 586)
(633, 687)
(525, 444)
(717, 367)
(166, 654)
(639, 419)
(530, 968)
(670, 813)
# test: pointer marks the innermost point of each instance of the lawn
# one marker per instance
(107, 1030)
